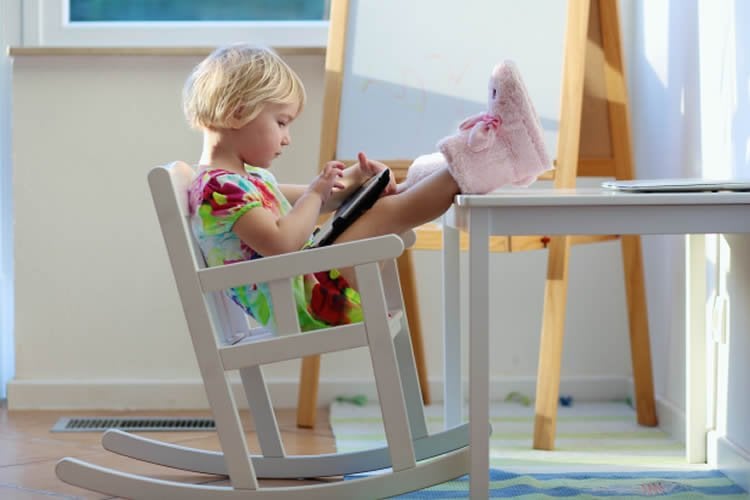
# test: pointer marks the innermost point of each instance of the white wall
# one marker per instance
(691, 111)
(98, 322)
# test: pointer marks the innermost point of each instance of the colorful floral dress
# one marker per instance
(217, 199)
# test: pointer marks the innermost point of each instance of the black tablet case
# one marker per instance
(354, 206)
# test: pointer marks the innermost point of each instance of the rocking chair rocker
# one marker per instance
(216, 324)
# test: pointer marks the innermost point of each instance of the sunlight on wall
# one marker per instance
(718, 56)
(657, 38)
(718, 53)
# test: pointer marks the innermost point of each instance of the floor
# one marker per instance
(29, 451)
(590, 436)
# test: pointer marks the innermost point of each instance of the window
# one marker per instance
(195, 10)
(191, 23)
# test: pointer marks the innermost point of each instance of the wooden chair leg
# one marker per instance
(411, 303)
(550, 349)
(640, 347)
(307, 397)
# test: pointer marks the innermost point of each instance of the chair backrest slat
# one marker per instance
(283, 301)
(185, 253)
(169, 190)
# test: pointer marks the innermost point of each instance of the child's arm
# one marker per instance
(268, 235)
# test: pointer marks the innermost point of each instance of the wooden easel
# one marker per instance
(594, 140)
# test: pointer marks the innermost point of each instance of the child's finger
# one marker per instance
(365, 165)
(331, 170)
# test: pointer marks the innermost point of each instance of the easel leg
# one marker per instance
(411, 303)
(308, 392)
(640, 347)
(550, 349)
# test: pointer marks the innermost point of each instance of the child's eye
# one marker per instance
(282, 124)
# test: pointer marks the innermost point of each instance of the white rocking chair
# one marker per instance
(215, 324)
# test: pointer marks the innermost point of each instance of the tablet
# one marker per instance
(350, 210)
(677, 185)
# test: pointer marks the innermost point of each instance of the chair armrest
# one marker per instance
(293, 264)
(409, 237)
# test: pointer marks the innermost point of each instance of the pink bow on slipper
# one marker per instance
(483, 128)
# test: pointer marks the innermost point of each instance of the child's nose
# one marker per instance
(286, 140)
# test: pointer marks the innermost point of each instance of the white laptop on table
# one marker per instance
(677, 185)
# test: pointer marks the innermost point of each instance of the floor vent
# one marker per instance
(136, 424)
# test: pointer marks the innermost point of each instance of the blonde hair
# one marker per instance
(230, 87)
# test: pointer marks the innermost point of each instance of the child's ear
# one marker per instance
(235, 121)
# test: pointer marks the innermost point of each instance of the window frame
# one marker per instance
(45, 24)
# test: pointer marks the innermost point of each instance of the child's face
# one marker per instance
(262, 139)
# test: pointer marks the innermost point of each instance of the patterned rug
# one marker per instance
(600, 453)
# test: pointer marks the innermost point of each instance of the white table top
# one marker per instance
(597, 197)
(529, 211)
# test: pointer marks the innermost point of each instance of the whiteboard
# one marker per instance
(413, 70)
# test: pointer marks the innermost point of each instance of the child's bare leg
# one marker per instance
(422, 166)
(423, 202)
(394, 214)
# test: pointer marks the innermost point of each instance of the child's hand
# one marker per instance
(327, 180)
(372, 167)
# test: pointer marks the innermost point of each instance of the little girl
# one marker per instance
(244, 99)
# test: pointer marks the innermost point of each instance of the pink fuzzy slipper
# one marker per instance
(503, 146)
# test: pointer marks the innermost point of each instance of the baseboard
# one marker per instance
(579, 388)
(729, 459)
(671, 419)
(189, 394)
(129, 394)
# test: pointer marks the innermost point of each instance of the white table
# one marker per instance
(553, 212)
